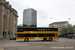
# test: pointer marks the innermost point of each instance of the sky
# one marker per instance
(48, 11)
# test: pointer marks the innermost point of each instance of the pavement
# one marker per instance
(60, 44)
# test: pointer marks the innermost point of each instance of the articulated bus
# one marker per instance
(36, 33)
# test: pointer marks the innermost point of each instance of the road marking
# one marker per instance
(30, 46)
(14, 45)
(1, 49)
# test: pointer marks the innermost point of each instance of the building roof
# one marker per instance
(59, 22)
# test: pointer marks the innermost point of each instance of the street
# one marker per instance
(60, 44)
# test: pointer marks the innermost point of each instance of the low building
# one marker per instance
(59, 25)
(8, 20)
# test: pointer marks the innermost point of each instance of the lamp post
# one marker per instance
(14, 28)
(69, 20)
(69, 24)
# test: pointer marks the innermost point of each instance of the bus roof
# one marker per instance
(31, 27)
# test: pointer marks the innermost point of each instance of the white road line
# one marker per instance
(1, 49)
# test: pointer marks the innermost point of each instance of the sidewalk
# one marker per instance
(4, 38)
(3, 42)
(1, 49)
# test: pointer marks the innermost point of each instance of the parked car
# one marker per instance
(13, 38)
(60, 35)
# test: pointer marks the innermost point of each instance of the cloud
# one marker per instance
(58, 10)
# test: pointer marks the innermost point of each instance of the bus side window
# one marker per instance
(46, 29)
(37, 35)
(43, 29)
(38, 29)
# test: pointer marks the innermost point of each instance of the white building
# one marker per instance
(30, 17)
(59, 25)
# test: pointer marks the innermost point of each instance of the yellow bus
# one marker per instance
(36, 33)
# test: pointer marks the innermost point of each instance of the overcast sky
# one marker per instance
(48, 11)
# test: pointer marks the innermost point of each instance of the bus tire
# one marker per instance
(26, 40)
(45, 39)
(50, 39)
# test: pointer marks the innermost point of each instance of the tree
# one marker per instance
(74, 28)
(64, 30)
(70, 29)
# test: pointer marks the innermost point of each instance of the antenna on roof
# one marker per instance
(28, 7)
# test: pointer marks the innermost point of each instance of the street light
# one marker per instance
(14, 28)
(69, 24)
(69, 20)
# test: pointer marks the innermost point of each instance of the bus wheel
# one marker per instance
(50, 39)
(26, 40)
(45, 39)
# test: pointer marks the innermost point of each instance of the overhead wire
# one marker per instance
(61, 5)
(66, 5)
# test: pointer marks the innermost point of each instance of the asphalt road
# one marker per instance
(60, 44)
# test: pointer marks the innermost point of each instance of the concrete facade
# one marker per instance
(8, 20)
(30, 17)
(59, 25)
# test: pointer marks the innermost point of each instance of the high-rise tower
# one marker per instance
(30, 17)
